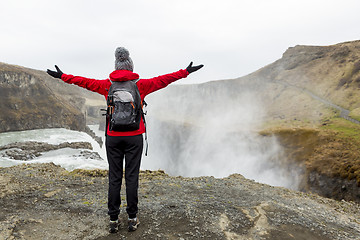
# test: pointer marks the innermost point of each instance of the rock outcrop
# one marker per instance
(44, 201)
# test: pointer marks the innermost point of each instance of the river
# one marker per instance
(68, 158)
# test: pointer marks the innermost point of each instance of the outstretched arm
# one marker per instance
(153, 84)
(94, 85)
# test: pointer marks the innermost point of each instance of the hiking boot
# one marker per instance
(133, 223)
(114, 226)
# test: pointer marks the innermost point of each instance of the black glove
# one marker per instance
(56, 74)
(191, 68)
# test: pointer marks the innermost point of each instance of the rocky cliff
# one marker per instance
(44, 201)
(31, 99)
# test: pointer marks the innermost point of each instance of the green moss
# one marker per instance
(89, 173)
(344, 129)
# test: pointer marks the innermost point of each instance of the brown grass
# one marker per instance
(332, 149)
(338, 151)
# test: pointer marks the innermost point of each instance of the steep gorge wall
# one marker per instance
(328, 162)
(31, 99)
(27, 103)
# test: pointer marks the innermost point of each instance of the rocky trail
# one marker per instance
(44, 201)
(344, 113)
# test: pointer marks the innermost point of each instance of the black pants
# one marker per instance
(116, 148)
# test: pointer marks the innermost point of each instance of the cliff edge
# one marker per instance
(44, 201)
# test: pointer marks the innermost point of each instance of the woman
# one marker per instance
(127, 144)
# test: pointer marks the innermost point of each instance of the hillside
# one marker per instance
(296, 89)
(308, 99)
(31, 99)
(330, 73)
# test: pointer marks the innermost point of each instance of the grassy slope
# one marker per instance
(331, 72)
(311, 132)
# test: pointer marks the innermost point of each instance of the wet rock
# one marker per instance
(333, 187)
(90, 155)
(30, 150)
(93, 135)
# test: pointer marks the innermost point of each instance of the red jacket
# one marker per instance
(146, 86)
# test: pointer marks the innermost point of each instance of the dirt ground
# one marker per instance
(44, 201)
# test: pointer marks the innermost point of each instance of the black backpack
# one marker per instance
(124, 107)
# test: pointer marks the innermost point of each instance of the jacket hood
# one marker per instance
(123, 75)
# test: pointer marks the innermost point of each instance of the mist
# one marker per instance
(212, 130)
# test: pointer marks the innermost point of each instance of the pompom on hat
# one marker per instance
(123, 60)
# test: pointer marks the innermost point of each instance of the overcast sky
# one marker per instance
(231, 38)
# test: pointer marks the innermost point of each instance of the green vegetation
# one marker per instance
(89, 173)
(331, 148)
(344, 129)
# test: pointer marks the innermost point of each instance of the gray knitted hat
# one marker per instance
(123, 60)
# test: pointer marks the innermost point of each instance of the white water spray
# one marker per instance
(220, 140)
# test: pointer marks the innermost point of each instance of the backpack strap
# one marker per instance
(143, 103)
